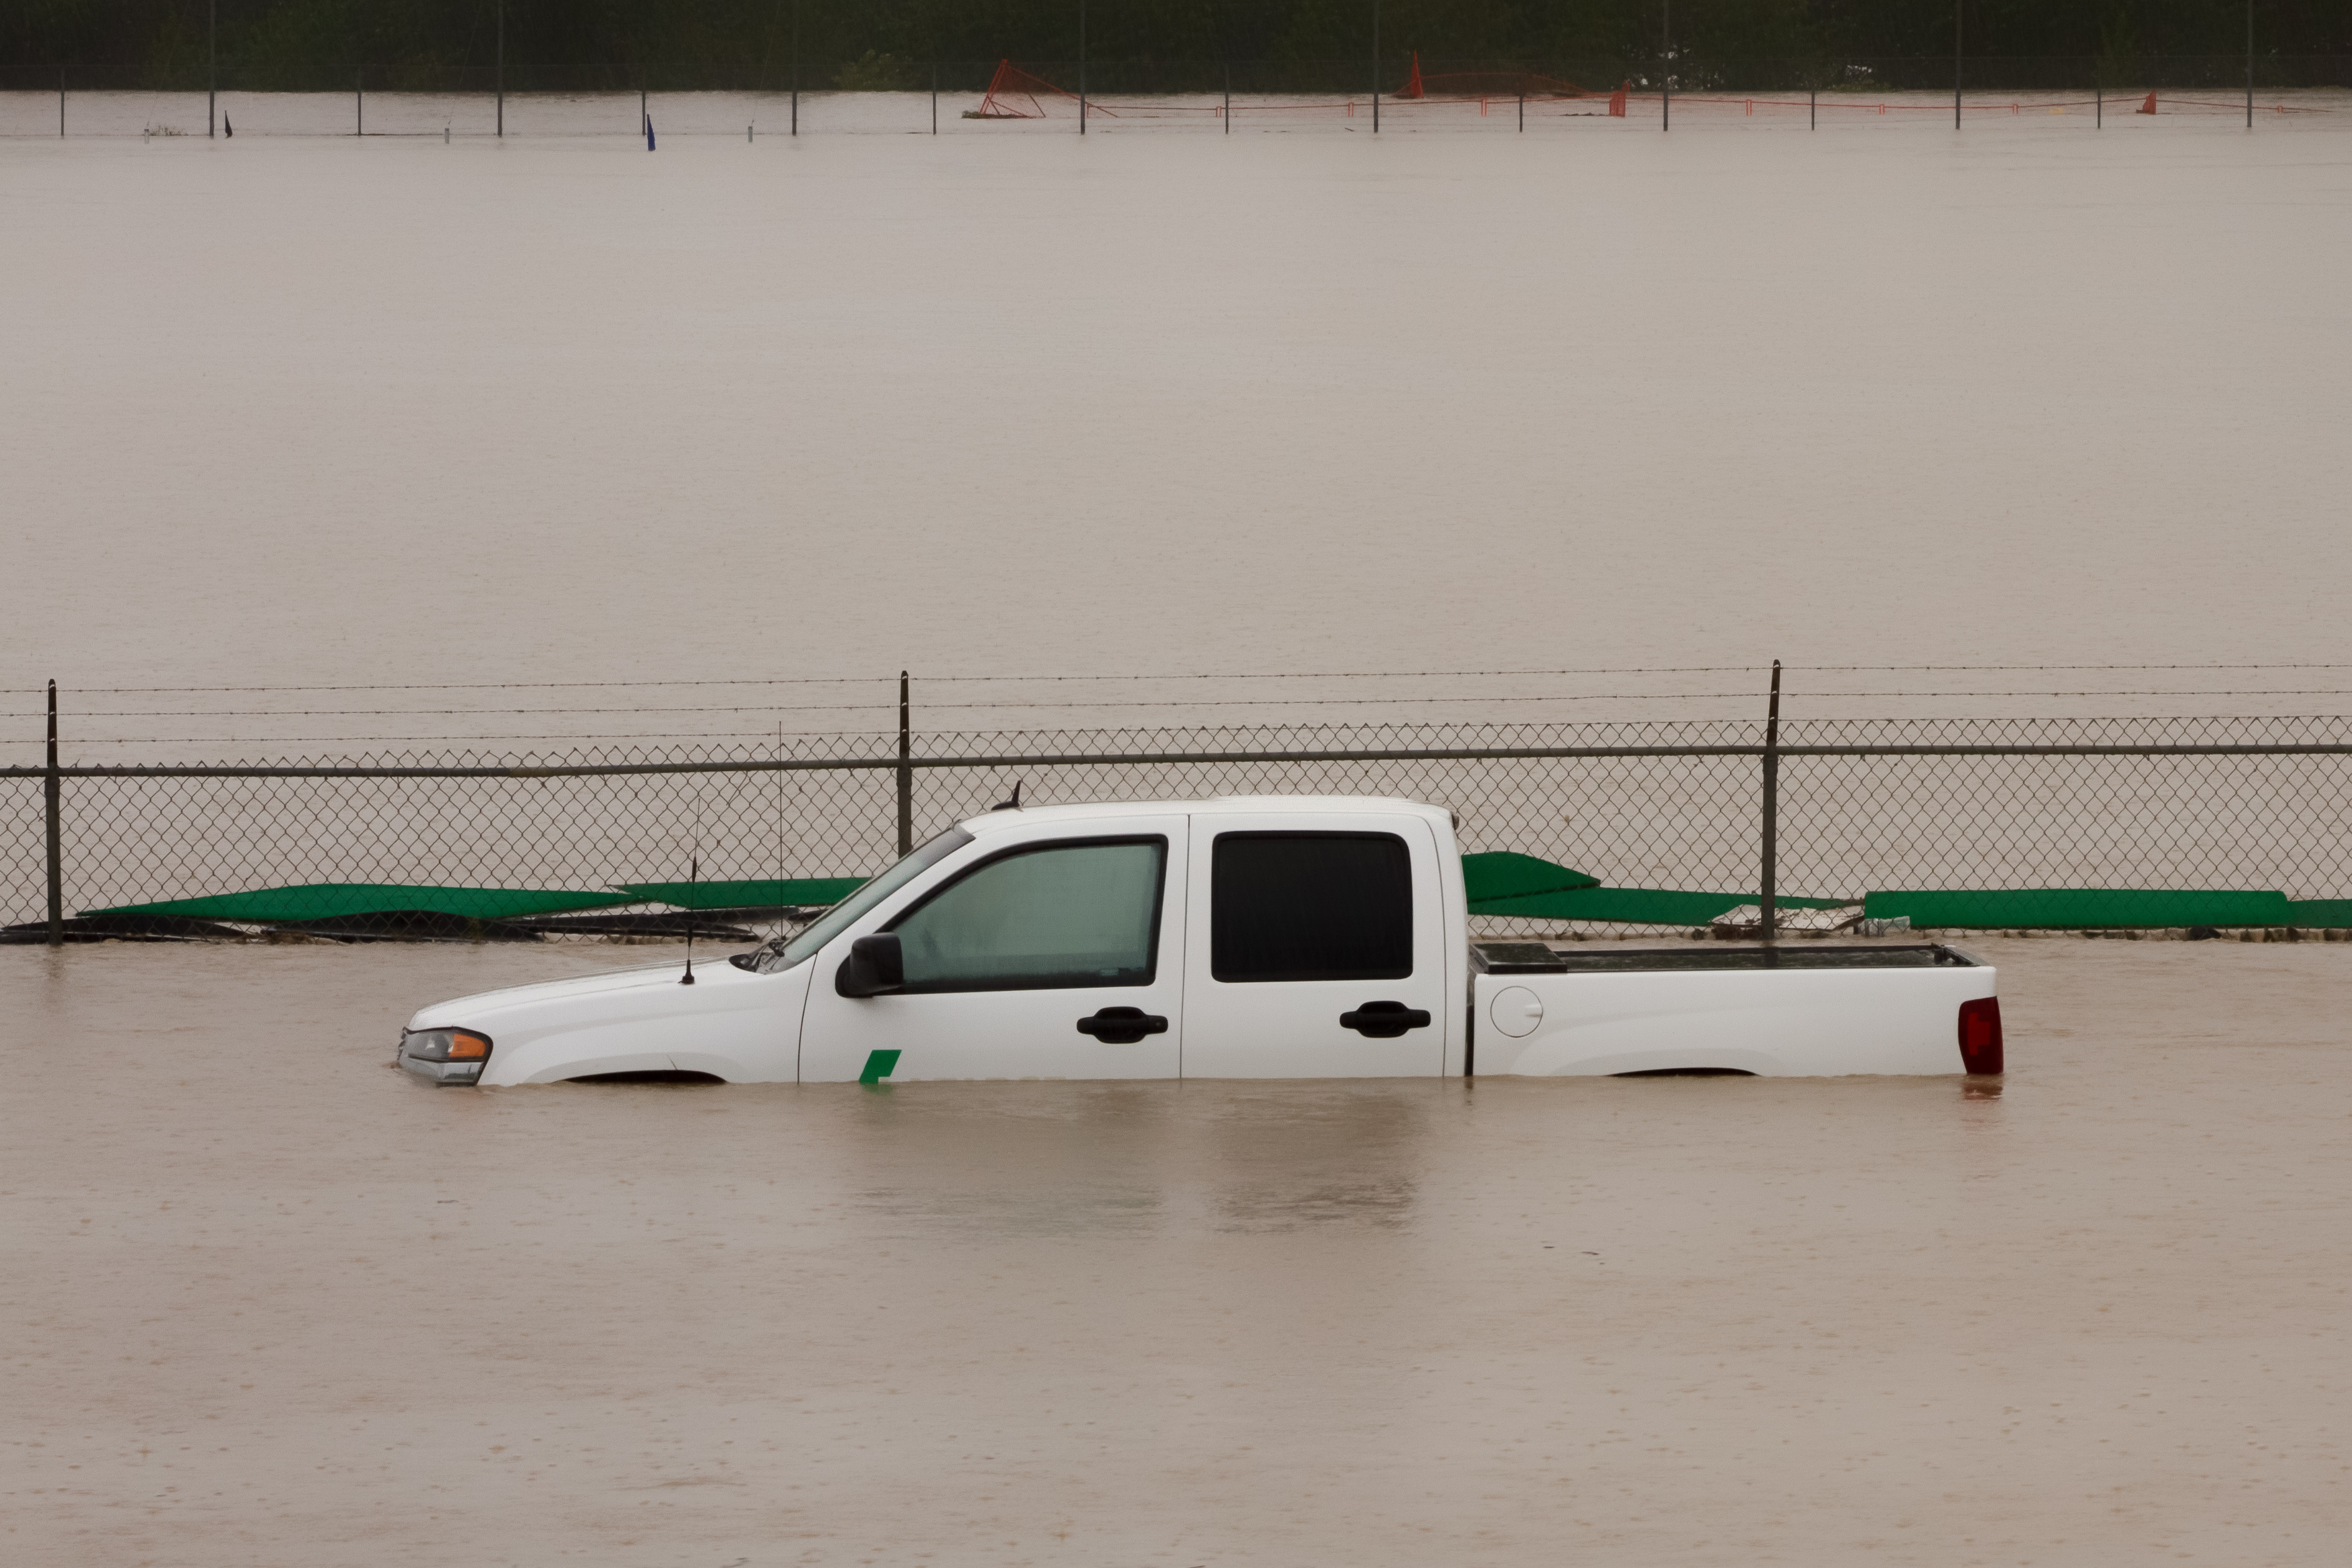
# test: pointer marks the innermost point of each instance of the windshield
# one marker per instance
(782, 953)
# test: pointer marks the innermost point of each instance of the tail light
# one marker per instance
(1981, 1036)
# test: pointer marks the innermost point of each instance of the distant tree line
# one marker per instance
(295, 43)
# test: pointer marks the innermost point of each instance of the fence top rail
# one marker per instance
(1120, 758)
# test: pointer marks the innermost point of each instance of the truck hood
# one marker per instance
(484, 1008)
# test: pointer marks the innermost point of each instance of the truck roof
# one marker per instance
(1222, 805)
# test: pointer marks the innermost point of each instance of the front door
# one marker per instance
(1315, 948)
(1058, 957)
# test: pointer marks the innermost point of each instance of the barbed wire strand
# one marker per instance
(86, 716)
(1194, 675)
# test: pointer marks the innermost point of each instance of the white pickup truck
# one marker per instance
(1283, 936)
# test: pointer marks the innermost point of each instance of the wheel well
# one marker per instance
(659, 1075)
(1687, 1072)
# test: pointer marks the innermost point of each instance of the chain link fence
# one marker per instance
(444, 99)
(1862, 808)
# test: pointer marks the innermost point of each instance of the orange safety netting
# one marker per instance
(1011, 87)
(1484, 85)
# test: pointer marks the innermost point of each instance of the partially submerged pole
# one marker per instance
(1767, 895)
(56, 856)
(1376, 66)
(502, 67)
(906, 773)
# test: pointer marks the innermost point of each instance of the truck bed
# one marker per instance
(1805, 1009)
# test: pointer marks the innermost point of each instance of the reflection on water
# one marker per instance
(1072, 1159)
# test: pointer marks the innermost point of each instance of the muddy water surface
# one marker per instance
(269, 1302)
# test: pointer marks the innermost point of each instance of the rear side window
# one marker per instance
(1310, 907)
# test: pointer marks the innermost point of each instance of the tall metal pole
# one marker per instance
(359, 101)
(935, 97)
(1082, 66)
(1667, 69)
(1767, 895)
(502, 67)
(62, 101)
(1376, 66)
(211, 70)
(1956, 64)
(2249, 63)
(50, 800)
(906, 773)
(796, 67)
(1229, 97)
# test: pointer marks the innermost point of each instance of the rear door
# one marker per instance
(1053, 954)
(1315, 948)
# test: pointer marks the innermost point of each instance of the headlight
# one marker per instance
(446, 1055)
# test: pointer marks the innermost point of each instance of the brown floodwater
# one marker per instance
(269, 1302)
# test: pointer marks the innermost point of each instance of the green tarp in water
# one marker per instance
(770, 895)
(2080, 908)
(2319, 912)
(1633, 906)
(341, 900)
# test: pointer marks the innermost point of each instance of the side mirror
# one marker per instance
(873, 967)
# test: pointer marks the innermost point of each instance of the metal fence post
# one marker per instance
(62, 101)
(359, 101)
(503, 69)
(906, 773)
(1666, 67)
(56, 858)
(1229, 99)
(1376, 66)
(1767, 895)
(935, 97)
(1082, 66)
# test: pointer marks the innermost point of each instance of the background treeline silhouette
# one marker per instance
(292, 43)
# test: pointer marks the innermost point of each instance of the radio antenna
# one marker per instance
(693, 876)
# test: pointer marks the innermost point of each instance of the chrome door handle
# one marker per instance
(1384, 1020)
(1122, 1026)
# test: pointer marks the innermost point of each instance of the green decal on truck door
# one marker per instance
(879, 1064)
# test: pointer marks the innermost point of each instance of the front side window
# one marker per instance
(1050, 917)
(1310, 907)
